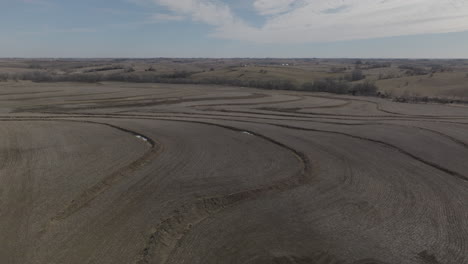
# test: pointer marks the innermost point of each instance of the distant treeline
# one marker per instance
(426, 99)
(107, 68)
(342, 86)
(328, 85)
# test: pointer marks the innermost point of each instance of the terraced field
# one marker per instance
(140, 173)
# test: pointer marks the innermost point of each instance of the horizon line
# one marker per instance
(277, 58)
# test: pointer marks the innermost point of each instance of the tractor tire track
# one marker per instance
(407, 153)
(166, 235)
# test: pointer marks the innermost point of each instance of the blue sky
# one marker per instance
(234, 28)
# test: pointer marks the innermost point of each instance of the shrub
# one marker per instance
(178, 74)
(355, 75)
(328, 86)
(37, 76)
(337, 69)
(378, 65)
(4, 77)
(366, 88)
(413, 70)
(340, 87)
(35, 66)
(425, 99)
(107, 68)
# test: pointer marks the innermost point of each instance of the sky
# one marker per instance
(234, 28)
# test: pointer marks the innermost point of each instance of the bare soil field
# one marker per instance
(161, 173)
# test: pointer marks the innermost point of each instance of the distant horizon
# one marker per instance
(227, 58)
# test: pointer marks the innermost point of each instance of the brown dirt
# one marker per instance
(116, 173)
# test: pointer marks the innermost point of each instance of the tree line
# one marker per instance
(338, 86)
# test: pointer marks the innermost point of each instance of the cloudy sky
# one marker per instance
(234, 28)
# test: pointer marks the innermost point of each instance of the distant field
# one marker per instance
(296, 74)
(394, 78)
(446, 84)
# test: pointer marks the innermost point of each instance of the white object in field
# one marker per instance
(142, 138)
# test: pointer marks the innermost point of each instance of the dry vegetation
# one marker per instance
(440, 81)
(159, 173)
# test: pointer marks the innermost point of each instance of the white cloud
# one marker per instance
(304, 21)
(271, 7)
(211, 12)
